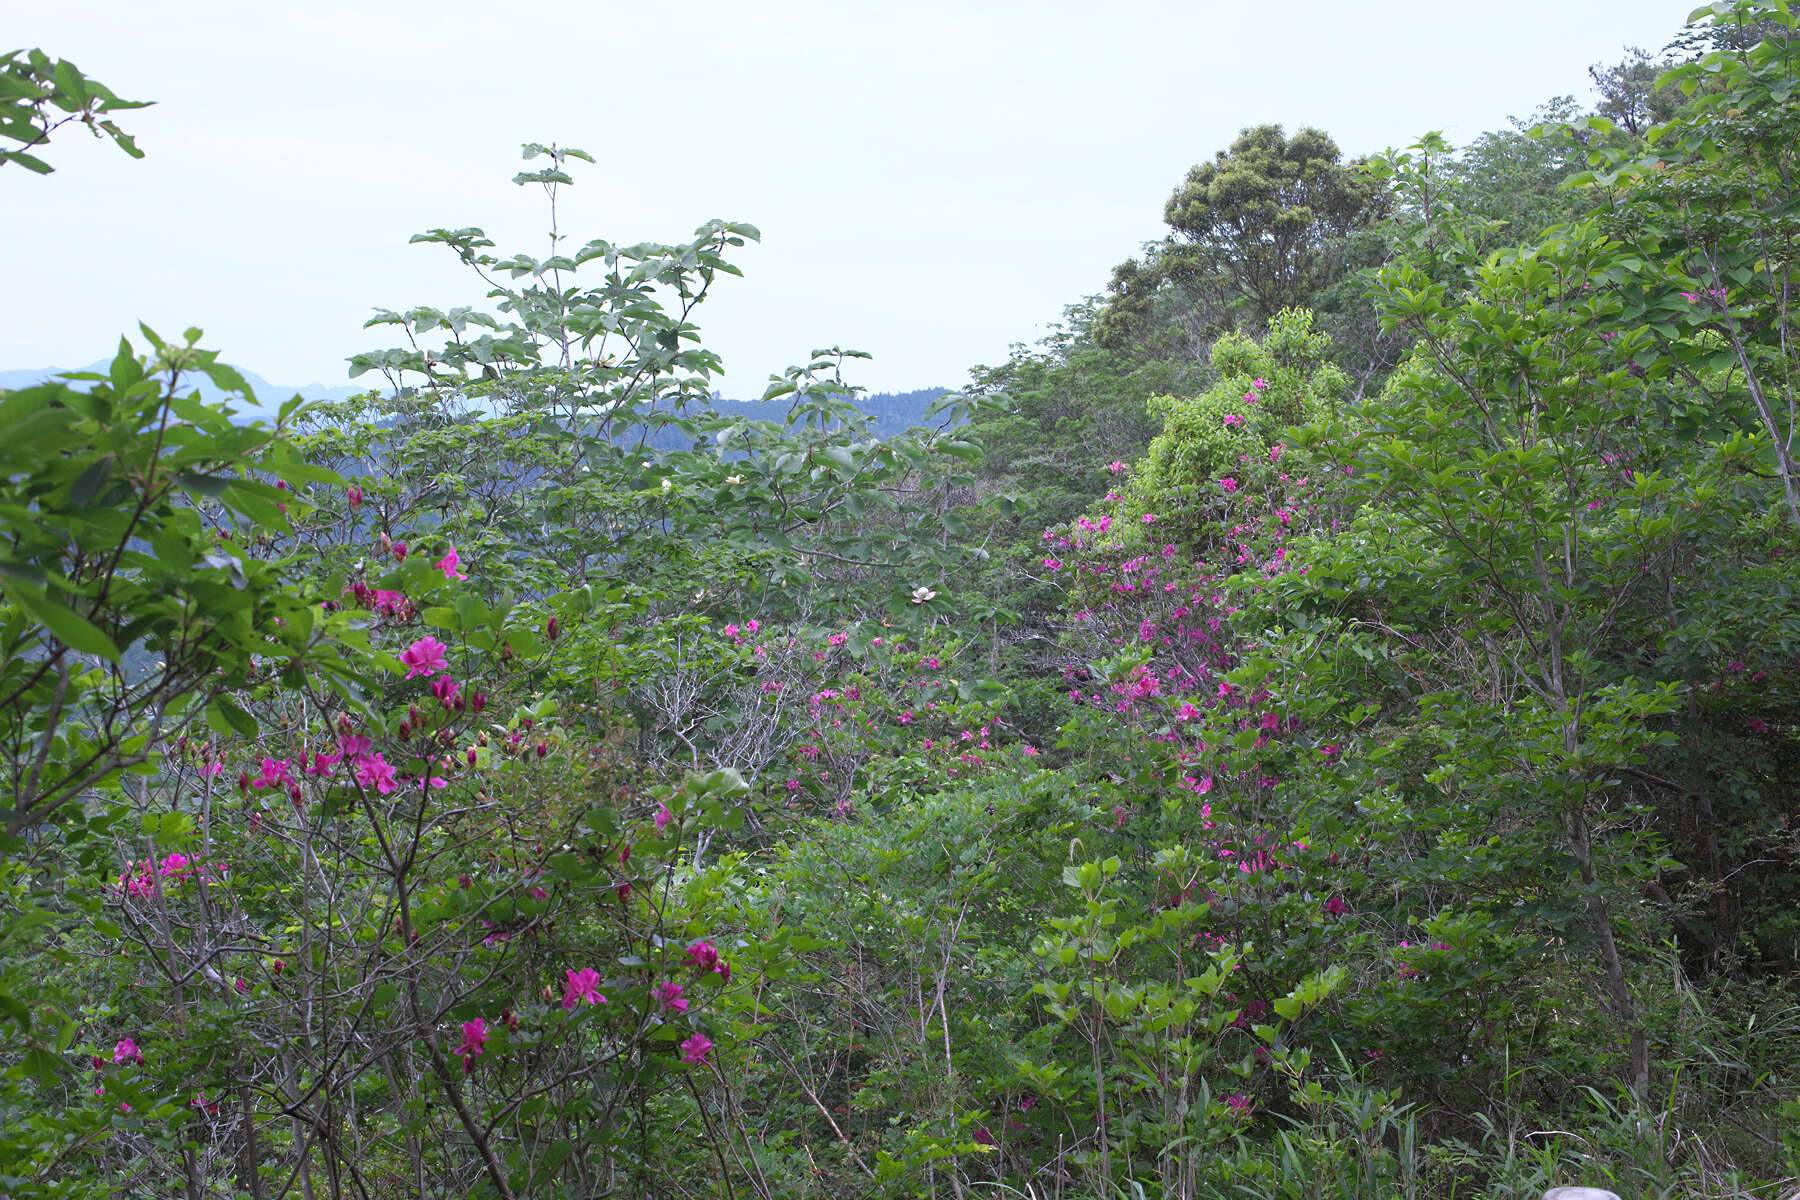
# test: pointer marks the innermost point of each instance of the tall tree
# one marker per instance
(1262, 227)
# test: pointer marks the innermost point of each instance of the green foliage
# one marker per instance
(1263, 227)
(39, 95)
(534, 782)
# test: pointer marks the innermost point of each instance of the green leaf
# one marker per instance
(91, 482)
(68, 627)
(226, 715)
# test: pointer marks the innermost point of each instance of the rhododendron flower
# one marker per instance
(1336, 906)
(669, 997)
(1232, 419)
(1228, 483)
(663, 816)
(474, 1038)
(399, 551)
(274, 774)
(445, 689)
(372, 770)
(582, 985)
(1115, 466)
(127, 1052)
(1239, 1103)
(427, 656)
(449, 564)
(356, 495)
(704, 956)
(696, 1048)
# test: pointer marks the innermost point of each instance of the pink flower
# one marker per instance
(1336, 906)
(1259, 384)
(355, 495)
(704, 956)
(1232, 419)
(1239, 1103)
(372, 770)
(427, 656)
(663, 816)
(1115, 466)
(399, 551)
(127, 1052)
(448, 565)
(696, 1048)
(1228, 483)
(474, 1038)
(274, 774)
(445, 689)
(1149, 518)
(582, 985)
(668, 996)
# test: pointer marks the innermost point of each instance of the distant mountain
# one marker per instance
(890, 413)
(269, 397)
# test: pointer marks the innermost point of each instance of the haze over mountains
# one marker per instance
(890, 413)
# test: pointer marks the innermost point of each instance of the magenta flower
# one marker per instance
(663, 816)
(668, 996)
(274, 774)
(1232, 419)
(372, 770)
(582, 985)
(1240, 1104)
(445, 689)
(427, 656)
(448, 565)
(1336, 906)
(696, 1048)
(1115, 466)
(1228, 483)
(127, 1052)
(703, 954)
(474, 1038)
(356, 496)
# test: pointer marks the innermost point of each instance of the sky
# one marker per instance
(933, 181)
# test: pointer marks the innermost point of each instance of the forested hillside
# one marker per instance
(1323, 723)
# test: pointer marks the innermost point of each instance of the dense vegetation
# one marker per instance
(1326, 723)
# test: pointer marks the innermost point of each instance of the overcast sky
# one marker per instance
(934, 181)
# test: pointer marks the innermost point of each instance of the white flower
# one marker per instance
(667, 484)
(922, 595)
(734, 479)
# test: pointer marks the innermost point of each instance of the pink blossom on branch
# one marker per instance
(582, 985)
(449, 564)
(696, 1048)
(427, 656)
(474, 1039)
